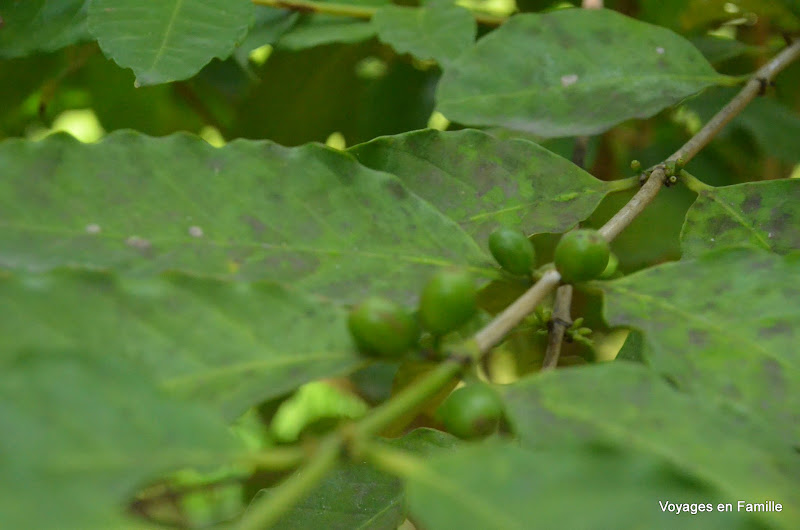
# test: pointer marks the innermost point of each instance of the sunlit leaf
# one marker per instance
(168, 40)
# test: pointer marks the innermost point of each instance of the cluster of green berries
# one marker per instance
(383, 328)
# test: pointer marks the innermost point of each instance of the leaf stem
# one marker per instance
(693, 183)
(267, 511)
(411, 398)
(622, 184)
(276, 458)
(349, 10)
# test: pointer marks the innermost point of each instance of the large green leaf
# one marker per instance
(168, 40)
(231, 345)
(503, 486)
(440, 30)
(723, 327)
(358, 496)
(29, 26)
(759, 214)
(82, 432)
(571, 72)
(311, 216)
(481, 182)
(629, 406)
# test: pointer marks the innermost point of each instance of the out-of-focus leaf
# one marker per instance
(359, 90)
(85, 431)
(310, 216)
(631, 407)
(504, 486)
(482, 182)
(759, 214)
(440, 30)
(695, 16)
(357, 496)
(318, 29)
(41, 25)
(574, 72)
(168, 40)
(718, 49)
(633, 348)
(701, 335)
(229, 344)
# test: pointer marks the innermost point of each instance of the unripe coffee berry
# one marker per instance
(581, 255)
(382, 328)
(448, 300)
(512, 250)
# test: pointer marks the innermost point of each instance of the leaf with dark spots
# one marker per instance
(701, 334)
(583, 71)
(482, 182)
(310, 216)
(758, 214)
(629, 408)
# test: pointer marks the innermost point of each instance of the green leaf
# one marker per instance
(317, 30)
(719, 49)
(701, 335)
(759, 214)
(29, 26)
(482, 182)
(168, 40)
(357, 496)
(440, 31)
(570, 72)
(504, 486)
(630, 407)
(311, 216)
(81, 433)
(231, 345)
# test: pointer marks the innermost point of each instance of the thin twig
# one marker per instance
(353, 11)
(559, 323)
(761, 78)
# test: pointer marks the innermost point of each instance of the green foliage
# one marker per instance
(181, 344)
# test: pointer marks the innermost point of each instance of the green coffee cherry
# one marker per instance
(448, 300)
(581, 255)
(382, 328)
(472, 411)
(636, 165)
(512, 250)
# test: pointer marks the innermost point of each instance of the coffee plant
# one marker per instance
(298, 264)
